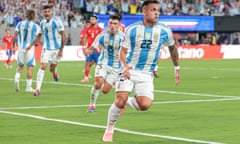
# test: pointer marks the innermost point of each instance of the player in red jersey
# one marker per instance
(89, 36)
(8, 41)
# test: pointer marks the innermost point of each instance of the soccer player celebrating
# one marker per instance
(106, 71)
(90, 34)
(27, 34)
(138, 57)
(53, 43)
(8, 41)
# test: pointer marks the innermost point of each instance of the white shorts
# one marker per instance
(26, 58)
(108, 73)
(49, 56)
(140, 82)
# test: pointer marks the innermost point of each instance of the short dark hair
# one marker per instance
(147, 2)
(116, 17)
(94, 16)
(47, 7)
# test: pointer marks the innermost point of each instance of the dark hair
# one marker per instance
(146, 2)
(94, 16)
(116, 17)
(47, 7)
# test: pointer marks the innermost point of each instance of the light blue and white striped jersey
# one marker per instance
(27, 32)
(144, 44)
(110, 45)
(51, 33)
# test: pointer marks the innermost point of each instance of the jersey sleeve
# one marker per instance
(97, 41)
(18, 27)
(170, 41)
(60, 26)
(126, 39)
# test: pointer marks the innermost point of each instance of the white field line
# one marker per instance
(156, 91)
(103, 127)
(164, 102)
(204, 68)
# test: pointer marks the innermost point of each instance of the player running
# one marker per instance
(138, 57)
(106, 71)
(53, 44)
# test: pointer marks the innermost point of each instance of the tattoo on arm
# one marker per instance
(63, 39)
(174, 54)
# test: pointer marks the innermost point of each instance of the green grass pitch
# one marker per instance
(204, 108)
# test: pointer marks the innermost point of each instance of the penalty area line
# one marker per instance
(103, 127)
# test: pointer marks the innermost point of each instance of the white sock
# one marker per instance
(29, 83)
(113, 116)
(133, 103)
(93, 96)
(40, 76)
(17, 77)
(55, 70)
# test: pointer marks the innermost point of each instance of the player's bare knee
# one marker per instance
(105, 91)
(144, 103)
(144, 106)
(120, 102)
(97, 86)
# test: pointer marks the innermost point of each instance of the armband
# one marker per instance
(176, 68)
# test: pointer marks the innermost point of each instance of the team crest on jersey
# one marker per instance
(111, 42)
(147, 35)
(155, 36)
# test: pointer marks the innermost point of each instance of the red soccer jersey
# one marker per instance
(8, 40)
(92, 33)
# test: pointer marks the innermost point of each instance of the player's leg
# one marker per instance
(122, 90)
(100, 73)
(95, 93)
(20, 61)
(144, 94)
(53, 66)
(90, 60)
(29, 79)
(110, 80)
(30, 62)
(41, 72)
(9, 55)
(87, 69)
(17, 77)
(53, 70)
(40, 77)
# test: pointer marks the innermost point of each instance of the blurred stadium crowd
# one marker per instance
(74, 13)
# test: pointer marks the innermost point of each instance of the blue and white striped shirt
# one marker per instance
(110, 45)
(51, 33)
(27, 32)
(144, 44)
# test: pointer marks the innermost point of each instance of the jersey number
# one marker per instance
(25, 34)
(146, 44)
